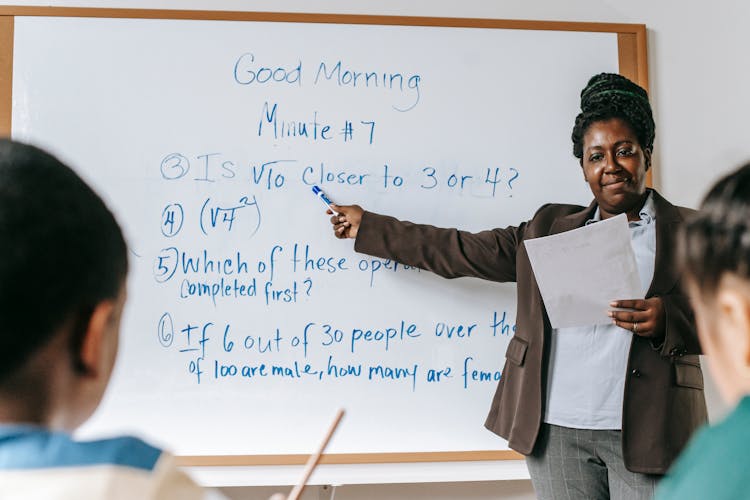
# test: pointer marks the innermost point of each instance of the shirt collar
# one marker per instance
(647, 213)
(18, 429)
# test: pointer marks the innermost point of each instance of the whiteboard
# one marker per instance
(247, 322)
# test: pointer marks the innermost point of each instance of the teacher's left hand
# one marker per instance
(645, 317)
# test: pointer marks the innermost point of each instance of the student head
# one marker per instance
(63, 263)
(613, 138)
(716, 260)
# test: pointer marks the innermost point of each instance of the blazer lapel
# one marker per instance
(668, 217)
(574, 220)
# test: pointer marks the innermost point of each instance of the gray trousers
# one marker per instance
(578, 464)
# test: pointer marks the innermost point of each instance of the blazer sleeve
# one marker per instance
(680, 334)
(450, 253)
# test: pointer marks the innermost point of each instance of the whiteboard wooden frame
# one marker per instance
(633, 64)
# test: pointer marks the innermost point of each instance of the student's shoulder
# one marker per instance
(730, 437)
(33, 448)
(119, 468)
(124, 451)
(715, 463)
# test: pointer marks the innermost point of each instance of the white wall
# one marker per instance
(700, 88)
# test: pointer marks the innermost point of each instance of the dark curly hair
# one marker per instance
(608, 95)
(716, 240)
(61, 252)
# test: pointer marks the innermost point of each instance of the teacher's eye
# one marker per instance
(596, 157)
(625, 152)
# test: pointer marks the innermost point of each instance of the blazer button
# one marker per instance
(674, 351)
(636, 373)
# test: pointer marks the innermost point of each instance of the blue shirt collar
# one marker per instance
(647, 213)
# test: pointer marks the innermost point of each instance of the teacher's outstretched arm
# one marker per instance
(449, 253)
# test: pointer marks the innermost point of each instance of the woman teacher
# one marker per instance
(600, 411)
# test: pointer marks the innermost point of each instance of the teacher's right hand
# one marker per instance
(346, 223)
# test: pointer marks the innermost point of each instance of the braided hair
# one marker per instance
(716, 240)
(608, 95)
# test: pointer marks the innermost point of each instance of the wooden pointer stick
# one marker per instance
(312, 462)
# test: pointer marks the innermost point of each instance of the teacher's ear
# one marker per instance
(647, 155)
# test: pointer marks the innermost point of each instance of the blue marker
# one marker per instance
(320, 194)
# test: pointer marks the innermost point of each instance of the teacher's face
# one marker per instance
(615, 165)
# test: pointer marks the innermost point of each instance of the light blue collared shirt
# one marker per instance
(587, 368)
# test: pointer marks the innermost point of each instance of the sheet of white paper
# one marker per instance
(579, 272)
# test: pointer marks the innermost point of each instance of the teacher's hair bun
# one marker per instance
(606, 87)
(609, 95)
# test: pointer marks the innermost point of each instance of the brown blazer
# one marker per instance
(663, 402)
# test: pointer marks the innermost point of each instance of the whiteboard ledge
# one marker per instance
(347, 458)
(351, 474)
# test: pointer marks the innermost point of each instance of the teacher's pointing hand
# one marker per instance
(645, 317)
(346, 223)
